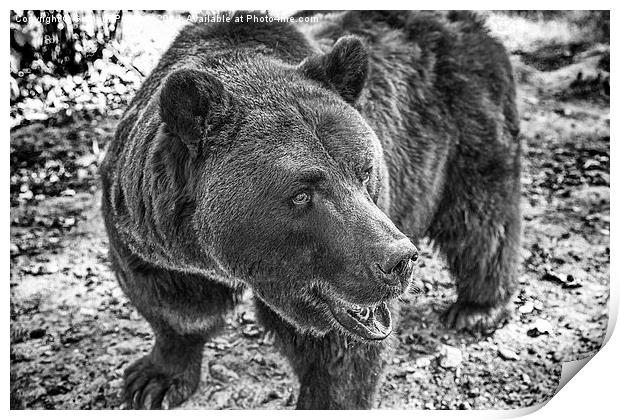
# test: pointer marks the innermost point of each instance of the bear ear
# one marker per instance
(344, 69)
(191, 103)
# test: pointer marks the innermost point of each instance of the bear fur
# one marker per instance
(304, 162)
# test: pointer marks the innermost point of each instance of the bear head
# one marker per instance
(289, 186)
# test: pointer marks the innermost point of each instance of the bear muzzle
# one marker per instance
(395, 272)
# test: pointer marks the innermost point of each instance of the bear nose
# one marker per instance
(398, 262)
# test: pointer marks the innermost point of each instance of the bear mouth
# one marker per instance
(372, 323)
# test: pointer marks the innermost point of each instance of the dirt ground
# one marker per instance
(73, 332)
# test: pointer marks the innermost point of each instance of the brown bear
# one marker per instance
(304, 162)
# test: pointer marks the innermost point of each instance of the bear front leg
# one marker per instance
(168, 375)
(184, 311)
(482, 250)
(334, 371)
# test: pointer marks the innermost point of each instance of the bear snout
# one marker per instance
(396, 264)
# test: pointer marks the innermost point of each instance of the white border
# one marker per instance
(593, 393)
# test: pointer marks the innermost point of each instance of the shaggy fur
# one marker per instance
(398, 125)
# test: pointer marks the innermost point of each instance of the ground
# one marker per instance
(73, 332)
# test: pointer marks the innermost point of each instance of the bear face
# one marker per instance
(292, 194)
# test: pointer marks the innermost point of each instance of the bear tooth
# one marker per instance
(365, 314)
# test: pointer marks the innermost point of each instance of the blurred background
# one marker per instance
(73, 332)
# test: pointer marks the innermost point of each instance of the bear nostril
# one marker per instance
(401, 267)
(398, 262)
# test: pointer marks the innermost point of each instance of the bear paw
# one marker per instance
(148, 386)
(475, 318)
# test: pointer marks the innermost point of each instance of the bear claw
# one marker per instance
(148, 386)
(476, 319)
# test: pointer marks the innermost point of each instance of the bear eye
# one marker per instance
(301, 198)
(366, 176)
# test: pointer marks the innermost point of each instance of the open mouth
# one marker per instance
(367, 322)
